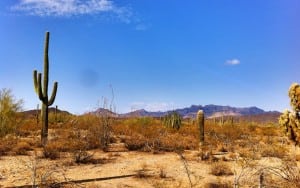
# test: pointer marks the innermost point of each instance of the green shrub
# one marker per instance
(9, 116)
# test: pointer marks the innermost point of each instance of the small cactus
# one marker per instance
(200, 122)
(291, 120)
(42, 92)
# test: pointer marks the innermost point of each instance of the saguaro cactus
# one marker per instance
(200, 122)
(42, 91)
(291, 120)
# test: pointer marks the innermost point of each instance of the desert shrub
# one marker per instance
(274, 151)
(140, 121)
(7, 144)
(288, 173)
(59, 118)
(220, 169)
(9, 116)
(217, 185)
(82, 157)
(150, 135)
(84, 121)
(135, 142)
(28, 126)
(51, 151)
(157, 138)
(204, 154)
(162, 172)
(21, 148)
(98, 136)
(270, 131)
(142, 172)
(98, 129)
(175, 142)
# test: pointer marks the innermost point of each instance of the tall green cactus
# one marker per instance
(291, 120)
(42, 91)
(200, 122)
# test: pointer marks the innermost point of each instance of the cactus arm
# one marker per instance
(53, 95)
(46, 66)
(37, 84)
(35, 81)
(40, 92)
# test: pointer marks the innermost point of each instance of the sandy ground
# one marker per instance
(115, 166)
(18, 170)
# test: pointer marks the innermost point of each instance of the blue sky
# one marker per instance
(156, 55)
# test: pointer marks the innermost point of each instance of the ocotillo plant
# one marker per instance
(291, 120)
(200, 122)
(42, 92)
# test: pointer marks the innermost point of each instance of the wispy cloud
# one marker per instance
(152, 106)
(68, 8)
(233, 62)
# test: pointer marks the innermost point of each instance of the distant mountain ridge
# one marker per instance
(51, 109)
(209, 111)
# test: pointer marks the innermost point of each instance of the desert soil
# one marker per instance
(114, 166)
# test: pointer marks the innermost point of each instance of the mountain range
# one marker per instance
(210, 111)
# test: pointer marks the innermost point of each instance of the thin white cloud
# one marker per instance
(68, 8)
(152, 106)
(233, 62)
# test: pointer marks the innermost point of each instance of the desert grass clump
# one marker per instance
(82, 157)
(135, 142)
(22, 148)
(274, 151)
(51, 151)
(220, 169)
(7, 144)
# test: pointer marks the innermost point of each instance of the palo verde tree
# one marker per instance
(9, 108)
(291, 120)
(42, 91)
